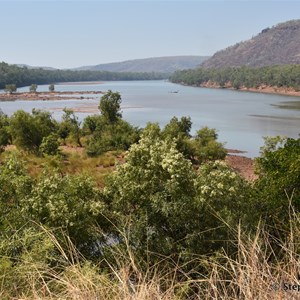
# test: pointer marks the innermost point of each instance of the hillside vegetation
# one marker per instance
(154, 64)
(278, 45)
(287, 76)
(142, 213)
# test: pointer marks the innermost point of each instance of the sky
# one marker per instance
(73, 33)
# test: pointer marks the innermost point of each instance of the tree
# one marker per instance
(119, 135)
(70, 126)
(179, 130)
(15, 185)
(51, 87)
(176, 127)
(278, 185)
(49, 145)
(110, 106)
(92, 123)
(10, 88)
(28, 130)
(25, 133)
(33, 88)
(5, 137)
(206, 145)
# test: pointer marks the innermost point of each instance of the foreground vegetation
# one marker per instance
(276, 76)
(136, 213)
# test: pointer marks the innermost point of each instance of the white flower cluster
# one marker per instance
(217, 180)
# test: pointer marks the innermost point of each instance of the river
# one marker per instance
(241, 118)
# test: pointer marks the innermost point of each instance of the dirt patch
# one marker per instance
(243, 165)
(70, 149)
(48, 95)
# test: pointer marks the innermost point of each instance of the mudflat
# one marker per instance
(67, 95)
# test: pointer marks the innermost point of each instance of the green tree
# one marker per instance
(119, 135)
(206, 145)
(51, 88)
(110, 106)
(93, 123)
(10, 88)
(49, 145)
(5, 137)
(179, 130)
(178, 127)
(33, 88)
(278, 185)
(15, 186)
(28, 130)
(70, 126)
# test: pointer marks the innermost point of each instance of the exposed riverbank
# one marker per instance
(67, 95)
(261, 89)
(245, 166)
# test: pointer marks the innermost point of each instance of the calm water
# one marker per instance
(241, 118)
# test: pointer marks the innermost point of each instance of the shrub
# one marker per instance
(206, 145)
(28, 130)
(49, 145)
(278, 185)
(72, 203)
(154, 192)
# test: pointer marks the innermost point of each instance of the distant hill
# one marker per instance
(155, 64)
(37, 67)
(278, 45)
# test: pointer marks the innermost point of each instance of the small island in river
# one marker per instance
(66, 95)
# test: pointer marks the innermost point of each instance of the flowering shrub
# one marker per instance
(153, 191)
(72, 203)
(222, 202)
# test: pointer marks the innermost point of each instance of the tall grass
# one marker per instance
(255, 272)
(71, 161)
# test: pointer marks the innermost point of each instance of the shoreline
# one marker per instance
(80, 83)
(264, 89)
(243, 165)
(29, 96)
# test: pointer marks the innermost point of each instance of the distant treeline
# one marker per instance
(22, 76)
(280, 76)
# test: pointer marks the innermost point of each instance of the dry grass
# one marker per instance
(254, 273)
(73, 161)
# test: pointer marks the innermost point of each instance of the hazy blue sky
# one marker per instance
(74, 33)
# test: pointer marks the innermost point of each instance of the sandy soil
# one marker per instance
(261, 89)
(47, 95)
(243, 165)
